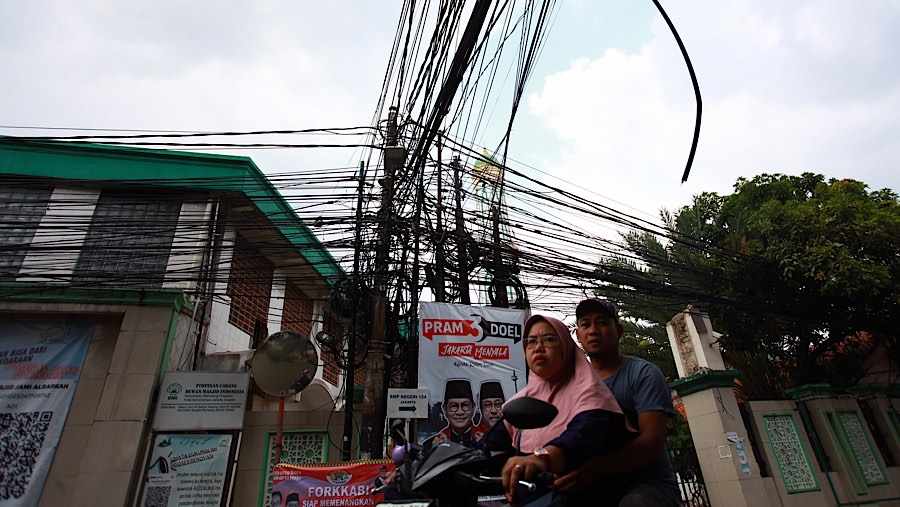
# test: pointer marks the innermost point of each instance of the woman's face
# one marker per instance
(543, 350)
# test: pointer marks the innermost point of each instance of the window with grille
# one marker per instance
(249, 286)
(298, 447)
(21, 210)
(129, 239)
(298, 311)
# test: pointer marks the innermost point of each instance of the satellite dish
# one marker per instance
(284, 364)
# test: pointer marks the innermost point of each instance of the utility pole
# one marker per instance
(462, 248)
(499, 271)
(374, 399)
(439, 229)
(355, 295)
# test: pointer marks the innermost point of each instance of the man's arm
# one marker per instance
(644, 448)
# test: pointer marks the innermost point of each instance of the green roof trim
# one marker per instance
(704, 380)
(12, 291)
(807, 392)
(211, 172)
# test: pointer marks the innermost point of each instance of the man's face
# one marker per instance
(459, 412)
(276, 500)
(598, 334)
(492, 410)
(293, 503)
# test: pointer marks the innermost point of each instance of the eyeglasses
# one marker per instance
(489, 405)
(532, 341)
(456, 407)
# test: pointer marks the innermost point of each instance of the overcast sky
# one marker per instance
(787, 86)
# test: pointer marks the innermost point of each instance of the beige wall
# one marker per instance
(102, 450)
(805, 499)
(838, 478)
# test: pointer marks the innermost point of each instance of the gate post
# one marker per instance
(706, 388)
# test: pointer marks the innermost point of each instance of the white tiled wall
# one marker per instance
(64, 227)
(188, 245)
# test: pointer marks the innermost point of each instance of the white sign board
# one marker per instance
(186, 470)
(202, 400)
(407, 403)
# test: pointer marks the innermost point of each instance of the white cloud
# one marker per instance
(787, 87)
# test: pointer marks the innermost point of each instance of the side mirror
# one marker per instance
(397, 432)
(528, 413)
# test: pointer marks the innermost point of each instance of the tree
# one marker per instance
(800, 274)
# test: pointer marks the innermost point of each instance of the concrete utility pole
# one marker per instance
(374, 399)
(462, 253)
(439, 230)
(356, 323)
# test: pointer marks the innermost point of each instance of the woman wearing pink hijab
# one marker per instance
(589, 422)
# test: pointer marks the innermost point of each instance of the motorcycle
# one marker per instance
(451, 474)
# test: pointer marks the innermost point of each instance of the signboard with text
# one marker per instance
(202, 400)
(334, 485)
(471, 360)
(187, 470)
(407, 403)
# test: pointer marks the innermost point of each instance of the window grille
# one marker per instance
(298, 447)
(21, 210)
(129, 239)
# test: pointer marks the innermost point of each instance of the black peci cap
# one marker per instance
(491, 389)
(458, 388)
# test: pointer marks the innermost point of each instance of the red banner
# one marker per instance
(337, 485)
(494, 352)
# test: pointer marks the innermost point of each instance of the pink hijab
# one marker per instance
(578, 389)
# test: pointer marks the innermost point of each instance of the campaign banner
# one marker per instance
(40, 363)
(187, 470)
(338, 485)
(471, 360)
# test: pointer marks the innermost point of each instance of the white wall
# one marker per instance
(63, 227)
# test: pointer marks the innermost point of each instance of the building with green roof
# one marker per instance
(175, 262)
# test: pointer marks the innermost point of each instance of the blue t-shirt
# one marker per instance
(639, 386)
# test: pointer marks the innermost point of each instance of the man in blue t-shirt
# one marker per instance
(642, 466)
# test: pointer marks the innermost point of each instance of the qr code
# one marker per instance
(21, 438)
(157, 496)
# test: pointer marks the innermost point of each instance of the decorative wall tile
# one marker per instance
(790, 454)
(297, 448)
(861, 447)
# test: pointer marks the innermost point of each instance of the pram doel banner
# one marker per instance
(335, 485)
(471, 360)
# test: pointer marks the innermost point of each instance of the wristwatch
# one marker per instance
(543, 455)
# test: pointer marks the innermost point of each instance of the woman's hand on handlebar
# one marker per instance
(520, 468)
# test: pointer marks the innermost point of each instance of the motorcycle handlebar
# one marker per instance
(540, 479)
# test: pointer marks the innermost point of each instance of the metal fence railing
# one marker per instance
(690, 478)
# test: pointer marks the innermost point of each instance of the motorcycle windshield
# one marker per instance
(443, 457)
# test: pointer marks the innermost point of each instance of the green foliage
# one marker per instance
(650, 343)
(679, 433)
(801, 275)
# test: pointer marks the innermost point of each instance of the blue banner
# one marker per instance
(40, 363)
